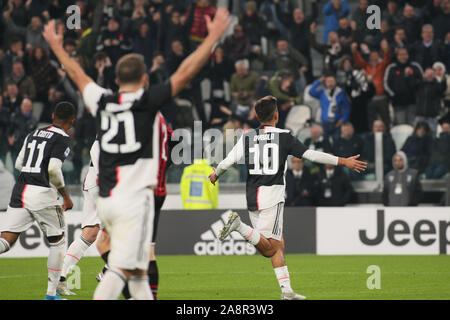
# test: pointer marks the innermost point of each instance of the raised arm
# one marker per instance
(194, 62)
(72, 68)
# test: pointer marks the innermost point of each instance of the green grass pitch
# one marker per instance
(252, 277)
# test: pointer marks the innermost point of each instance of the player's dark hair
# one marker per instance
(130, 68)
(265, 108)
(64, 111)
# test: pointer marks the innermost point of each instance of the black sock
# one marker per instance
(126, 292)
(153, 277)
(105, 258)
(62, 279)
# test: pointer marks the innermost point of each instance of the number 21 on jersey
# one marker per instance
(110, 123)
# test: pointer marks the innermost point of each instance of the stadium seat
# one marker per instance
(303, 134)
(400, 133)
(313, 103)
(298, 117)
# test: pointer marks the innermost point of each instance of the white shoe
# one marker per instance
(291, 295)
(233, 222)
(63, 290)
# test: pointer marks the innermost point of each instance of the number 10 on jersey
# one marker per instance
(269, 159)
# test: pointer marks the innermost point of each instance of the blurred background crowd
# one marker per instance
(337, 82)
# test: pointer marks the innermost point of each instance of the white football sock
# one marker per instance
(139, 288)
(249, 234)
(283, 278)
(54, 265)
(74, 254)
(111, 285)
(4, 246)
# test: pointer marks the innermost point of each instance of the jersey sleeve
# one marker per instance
(61, 149)
(160, 94)
(296, 147)
(91, 96)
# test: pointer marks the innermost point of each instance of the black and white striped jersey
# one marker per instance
(264, 152)
(33, 189)
(128, 136)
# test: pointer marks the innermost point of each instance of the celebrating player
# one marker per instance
(35, 194)
(103, 245)
(90, 224)
(128, 165)
(265, 151)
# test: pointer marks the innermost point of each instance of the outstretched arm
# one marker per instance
(194, 62)
(72, 68)
(233, 157)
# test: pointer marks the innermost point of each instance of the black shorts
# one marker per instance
(159, 201)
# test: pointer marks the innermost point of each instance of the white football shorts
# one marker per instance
(129, 223)
(269, 222)
(50, 220)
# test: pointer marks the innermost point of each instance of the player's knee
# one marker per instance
(90, 234)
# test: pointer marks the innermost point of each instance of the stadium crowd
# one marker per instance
(366, 81)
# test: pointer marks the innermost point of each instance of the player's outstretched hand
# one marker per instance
(213, 178)
(51, 36)
(220, 23)
(355, 165)
(67, 204)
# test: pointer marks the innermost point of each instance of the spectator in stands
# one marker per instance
(333, 103)
(298, 30)
(368, 152)
(145, 42)
(21, 124)
(196, 23)
(334, 10)
(158, 74)
(348, 145)
(113, 42)
(399, 40)
(359, 90)
(253, 25)
(42, 72)
(375, 69)
(331, 51)
(418, 147)
(385, 33)
(411, 22)
(439, 163)
(359, 20)
(300, 185)
(318, 141)
(345, 32)
(400, 82)
(285, 57)
(13, 99)
(219, 72)
(175, 57)
(243, 85)
(5, 114)
(237, 46)
(102, 72)
(441, 76)
(173, 29)
(14, 53)
(402, 186)
(392, 13)
(23, 82)
(429, 50)
(441, 21)
(429, 94)
(282, 87)
(334, 187)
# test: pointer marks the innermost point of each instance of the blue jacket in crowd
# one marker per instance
(340, 107)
